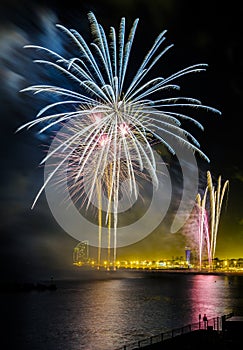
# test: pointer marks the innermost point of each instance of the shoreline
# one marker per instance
(158, 271)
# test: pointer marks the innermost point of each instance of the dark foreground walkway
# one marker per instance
(225, 332)
(200, 339)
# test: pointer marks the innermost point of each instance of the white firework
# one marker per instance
(112, 127)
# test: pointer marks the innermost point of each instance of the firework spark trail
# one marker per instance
(207, 238)
(201, 215)
(99, 222)
(203, 229)
(216, 201)
(207, 218)
(113, 125)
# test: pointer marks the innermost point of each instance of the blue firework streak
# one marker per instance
(107, 122)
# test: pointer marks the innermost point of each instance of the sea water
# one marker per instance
(117, 309)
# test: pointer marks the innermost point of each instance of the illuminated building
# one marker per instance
(188, 255)
(81, 253)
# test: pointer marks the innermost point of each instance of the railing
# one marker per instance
(214, 323)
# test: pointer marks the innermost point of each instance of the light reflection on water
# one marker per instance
(207, 293)
(106, 314)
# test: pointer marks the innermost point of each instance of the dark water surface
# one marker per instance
(117, 309)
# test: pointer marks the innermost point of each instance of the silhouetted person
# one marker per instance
(205, 321)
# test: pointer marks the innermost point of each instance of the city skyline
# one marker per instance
(84, 256)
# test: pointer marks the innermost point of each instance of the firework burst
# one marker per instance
(202, 228)
(112, 128)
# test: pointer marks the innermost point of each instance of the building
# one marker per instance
(81, 253)
(188, 255)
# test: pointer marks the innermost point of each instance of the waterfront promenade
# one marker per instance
(223, 332)
(200, 340)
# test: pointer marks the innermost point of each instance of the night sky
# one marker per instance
(33, 245)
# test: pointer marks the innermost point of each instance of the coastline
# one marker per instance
(153, 272)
